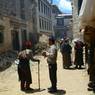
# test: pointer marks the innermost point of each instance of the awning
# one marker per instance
(87, 14)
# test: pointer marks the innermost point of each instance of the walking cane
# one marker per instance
(39, 75)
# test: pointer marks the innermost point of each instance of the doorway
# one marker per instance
(15, 40)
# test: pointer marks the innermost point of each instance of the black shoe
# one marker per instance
(52, 91)
(29, 89)
(49, 88)
(80, 67)
(76, 67)
(91, 85)
(23, 89)
(90, 89)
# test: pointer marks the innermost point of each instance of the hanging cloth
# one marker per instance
(87, 13)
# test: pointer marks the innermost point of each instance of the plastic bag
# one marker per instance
(16, 61)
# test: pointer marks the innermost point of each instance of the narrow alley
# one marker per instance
(70, 82)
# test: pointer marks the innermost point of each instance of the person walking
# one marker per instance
(51, 55)
(24, 72)
(78, 54)
(66, 51)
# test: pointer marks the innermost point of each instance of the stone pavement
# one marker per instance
(70, 82)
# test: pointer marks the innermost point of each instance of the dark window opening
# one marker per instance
(1, 36)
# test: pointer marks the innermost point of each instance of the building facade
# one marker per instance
(56, 20)
(63, 28)
(22, 20)
(44, 19)
(68, 26)
(44, 16)
(59, 27)
(15, 23)
(62, 23)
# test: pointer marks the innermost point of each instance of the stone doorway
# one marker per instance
(15, 39)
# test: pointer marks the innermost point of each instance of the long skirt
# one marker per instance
(66, 60)
(79, 58)
(24, 73)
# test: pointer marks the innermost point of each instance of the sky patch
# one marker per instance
(64, 5)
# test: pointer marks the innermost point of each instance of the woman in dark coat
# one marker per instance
(24, 68)
(78, 54)
(66, 50)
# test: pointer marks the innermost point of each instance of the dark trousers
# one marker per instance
(53, 75)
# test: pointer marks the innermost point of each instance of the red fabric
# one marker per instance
(79, 45)
(28, 44)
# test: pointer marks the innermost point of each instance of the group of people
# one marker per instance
(24, 72)
(66, 51)
(51, 54)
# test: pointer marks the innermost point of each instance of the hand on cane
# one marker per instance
(44, 54)
(38, 61)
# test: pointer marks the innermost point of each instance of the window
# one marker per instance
(24, 35)
(1, 34)
(22, 4)
(50, 26)
(48, 11)
(45, 9)
(40, 23)
(22, 9)
(1, 37)
(60, 21)
(23, 14)
(39, 5)
(45, 24)
(42, 7)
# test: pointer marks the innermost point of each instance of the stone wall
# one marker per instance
(75, 18)
(10, 18)
(7, 35)
(76, 29)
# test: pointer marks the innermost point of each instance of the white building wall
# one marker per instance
(75, 18)
(44, 16)
(76, 29)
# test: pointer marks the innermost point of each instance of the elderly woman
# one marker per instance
(66, 51)
(24, 69)
(79, 54)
